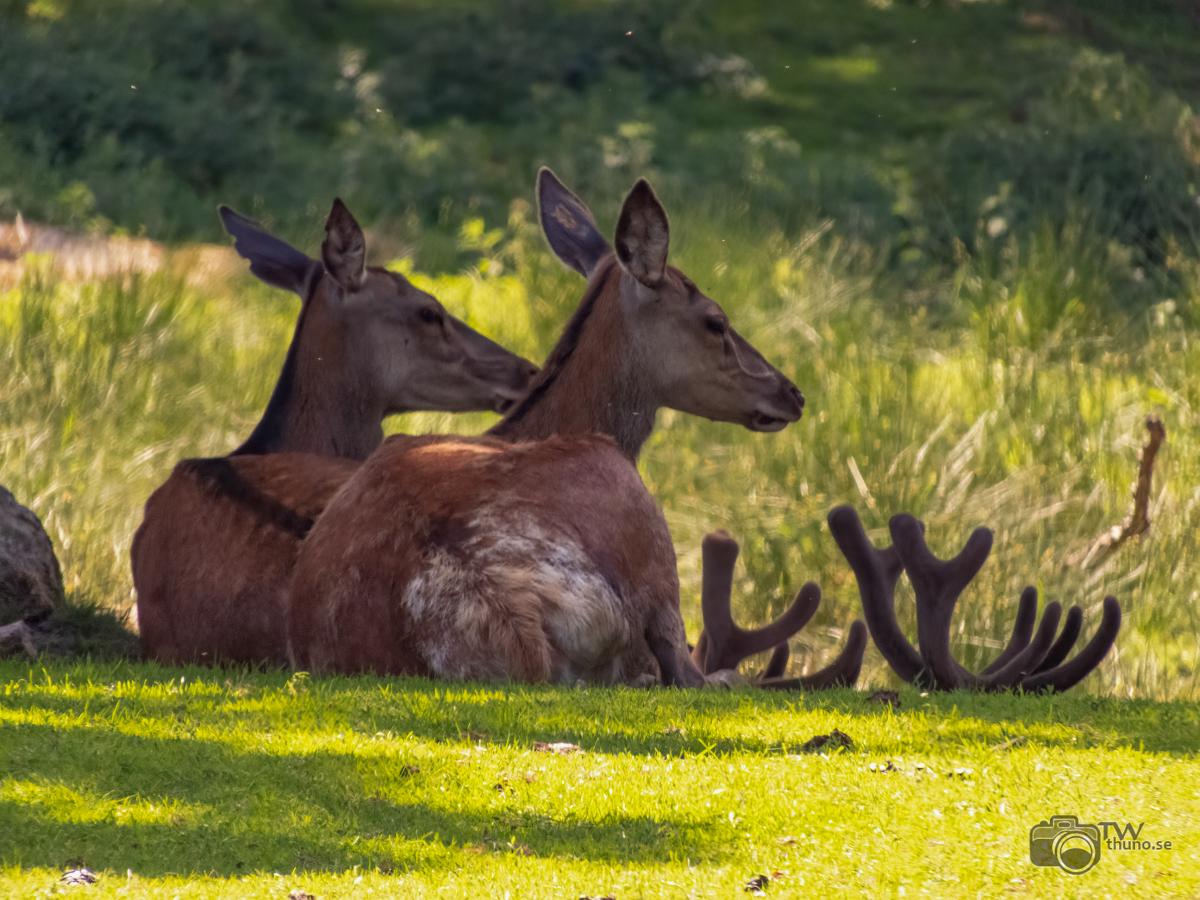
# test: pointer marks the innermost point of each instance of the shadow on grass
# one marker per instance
(615, 722)
(218, 811)
(79, 627)
(647, 722)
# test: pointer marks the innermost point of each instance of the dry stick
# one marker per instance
(1138, 520)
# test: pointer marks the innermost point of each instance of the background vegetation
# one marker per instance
(967, 230)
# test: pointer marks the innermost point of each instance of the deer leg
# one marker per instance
(668, 644)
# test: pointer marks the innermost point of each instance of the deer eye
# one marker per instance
(430, 316)
(716, 325)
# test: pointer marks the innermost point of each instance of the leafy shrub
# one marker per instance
(1104, 144)
(500, 62)
(158, 108)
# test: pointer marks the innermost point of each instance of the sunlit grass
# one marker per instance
(207, 783)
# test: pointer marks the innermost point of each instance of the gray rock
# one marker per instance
(30, 579)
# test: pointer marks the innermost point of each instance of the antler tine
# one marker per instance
(876, 571)
(944, 577)
(719, 553)
(741, 643)
(1022, 630)
(842, 672)
(747, 642)
(723, 644)
(937, 584)
(1071, 673)
(777, 664)
(1066, 640)
(1025, 662)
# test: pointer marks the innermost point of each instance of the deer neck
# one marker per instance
(318, 406)
(592, 382)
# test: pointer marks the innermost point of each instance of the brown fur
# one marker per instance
(515, 532)
(376, 590)
(589, 384)
(219, 547)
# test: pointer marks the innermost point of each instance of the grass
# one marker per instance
(201, 783)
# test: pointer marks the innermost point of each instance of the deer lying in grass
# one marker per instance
(287, 491)
(545, 559)
(1030, 662)
(215, 546)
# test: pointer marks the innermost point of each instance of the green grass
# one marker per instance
(198, 783)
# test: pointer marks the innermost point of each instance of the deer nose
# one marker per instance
(796, 397)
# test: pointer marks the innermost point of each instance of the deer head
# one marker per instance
(368, 343)
(1032, 661)
(646, 336)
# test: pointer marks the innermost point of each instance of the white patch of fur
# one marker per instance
(514, 583)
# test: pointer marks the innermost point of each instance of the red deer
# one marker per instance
(544, 559)
(644, 337)
(1030, 662)
(215, 546)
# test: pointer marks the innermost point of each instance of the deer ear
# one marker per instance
(345, 248)
(274, 261)
(568, 224)
(643, 235)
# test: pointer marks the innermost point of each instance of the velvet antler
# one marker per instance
(876, 570)
(724, 644)
(1033, 658)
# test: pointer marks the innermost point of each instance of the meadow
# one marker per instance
(967, 231)
(183, 783)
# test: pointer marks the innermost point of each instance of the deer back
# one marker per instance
(544, 561)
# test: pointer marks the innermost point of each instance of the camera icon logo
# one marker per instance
(1065, 842)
